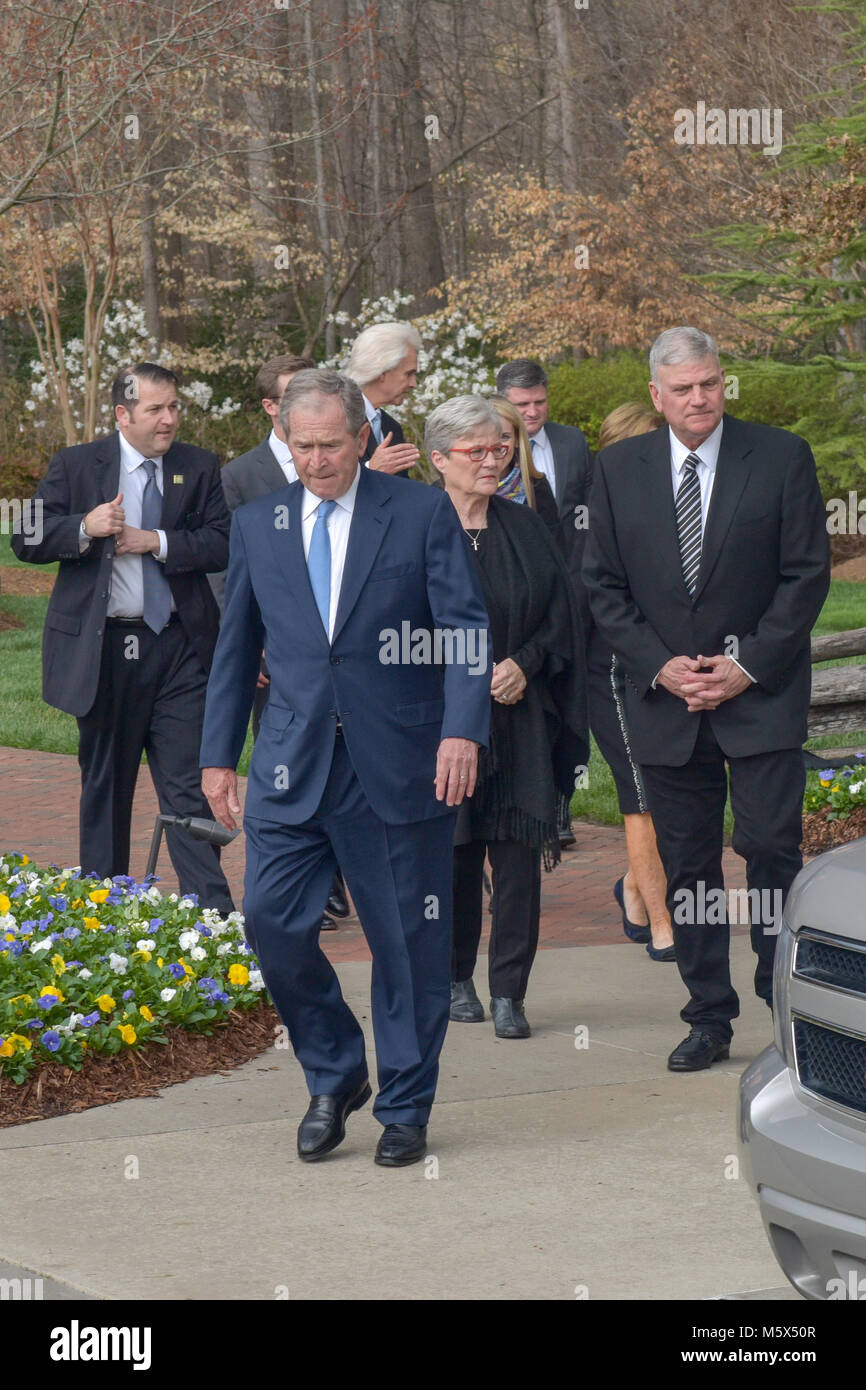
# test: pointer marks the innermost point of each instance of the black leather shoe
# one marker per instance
(338, 903)
(466, 1007)
(401, 1144)
(324, 1125)
(327, 923)
(697, 1052)
(509, 1020)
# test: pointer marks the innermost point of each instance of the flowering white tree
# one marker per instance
(124, 339)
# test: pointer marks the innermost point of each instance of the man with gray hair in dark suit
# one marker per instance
(562, 454)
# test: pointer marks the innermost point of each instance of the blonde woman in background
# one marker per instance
(642, 889)
(520, 480)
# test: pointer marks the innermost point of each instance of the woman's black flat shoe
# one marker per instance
(634, 933)
(661, 952)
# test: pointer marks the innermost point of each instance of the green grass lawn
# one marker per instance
(26, 722)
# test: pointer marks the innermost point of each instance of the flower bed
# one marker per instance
(834, 806)
(91, 967)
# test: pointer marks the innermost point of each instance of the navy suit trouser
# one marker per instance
(400, 878)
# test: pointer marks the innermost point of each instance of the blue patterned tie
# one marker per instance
(156, 609)
(319, 562)
(376, 425)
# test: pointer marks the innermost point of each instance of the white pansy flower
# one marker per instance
(118, 963)
(167, 994)
(856, 786)
(145, 944)
(226, 946)
(257, 980)
(84, 974)
(44, 945)
(188, 938)
(198, 953)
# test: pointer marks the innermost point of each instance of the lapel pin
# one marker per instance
(177, 477)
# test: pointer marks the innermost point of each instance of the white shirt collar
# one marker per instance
(374, 412)
(347, 501)
(281, 452)
(541, 438)
(708, 452)
(130, 456)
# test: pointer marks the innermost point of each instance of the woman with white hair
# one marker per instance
(538, 735)
(384, 362)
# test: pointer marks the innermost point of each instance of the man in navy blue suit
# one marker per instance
(363, 594)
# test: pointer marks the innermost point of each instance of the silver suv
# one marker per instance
(803, 1100)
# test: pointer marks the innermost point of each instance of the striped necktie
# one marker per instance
(688, 510)
(156, 591)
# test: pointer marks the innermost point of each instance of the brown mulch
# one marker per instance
(819, 834)
(26, 582)
(53, 1090)
(844, 548)
(7, 622)
(853, 571)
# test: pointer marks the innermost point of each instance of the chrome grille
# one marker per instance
(831, 963)
(831, 1063)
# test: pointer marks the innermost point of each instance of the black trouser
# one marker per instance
(688, 807)
(516, 875)
(150, 698)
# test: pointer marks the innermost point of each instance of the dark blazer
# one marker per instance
(387, 423)
(250, 475)
(196, 523)
(408, 570)
(764, 575)
(573, 464)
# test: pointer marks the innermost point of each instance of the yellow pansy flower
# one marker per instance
(59, 964)
(160, 962)
(21, 999)
(187, 968)
(25, 859)
(238, 975)
(146, 1014)
(6, 1049)
(19, 1038)
(52, 989)
(145, 955)
(127, 1032)
(98, 895)
(105, 1003)
(79, 902)
(92, 923)
(5, 903)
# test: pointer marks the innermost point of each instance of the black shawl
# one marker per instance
(538, 744)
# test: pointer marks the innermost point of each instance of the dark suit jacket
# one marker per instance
(250, 475)
(573, 464)
(408, 570)
(196, 523)
(387, 423)
(764, 575)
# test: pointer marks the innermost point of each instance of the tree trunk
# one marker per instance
(149, 277)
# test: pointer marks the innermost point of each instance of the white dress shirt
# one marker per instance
(283, 455)
(126, 591)
(339, 523)
(542, 457)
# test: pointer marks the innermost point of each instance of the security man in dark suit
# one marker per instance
(136, 521)
(562, 454)
(707, 565)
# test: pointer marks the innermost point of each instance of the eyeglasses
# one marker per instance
(478, 452)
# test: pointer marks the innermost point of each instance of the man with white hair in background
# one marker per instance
(384, 363)
(707, 564)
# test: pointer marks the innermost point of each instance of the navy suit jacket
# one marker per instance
(408, 571)
(196, 524)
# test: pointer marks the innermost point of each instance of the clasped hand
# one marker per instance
(704, 682)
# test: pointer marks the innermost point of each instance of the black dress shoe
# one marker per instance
(631, 929)
(324, 1125)
(466, 1007)
(697, 1052)
(327, 923)
(509, 1020)
(338, 903)
(401, 1144)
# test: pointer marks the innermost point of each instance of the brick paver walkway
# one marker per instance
(39, 815)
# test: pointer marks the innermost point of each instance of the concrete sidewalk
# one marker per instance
(555, 1172)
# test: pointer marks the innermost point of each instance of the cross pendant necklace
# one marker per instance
(474, 539)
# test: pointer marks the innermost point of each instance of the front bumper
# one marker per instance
(806, 1163)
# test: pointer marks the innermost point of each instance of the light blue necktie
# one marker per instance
(156, 609)
(319, 562)
(376, 425)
